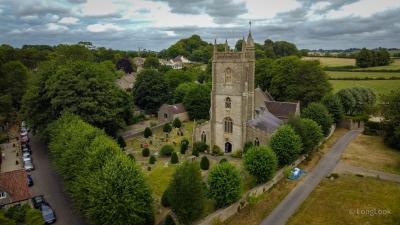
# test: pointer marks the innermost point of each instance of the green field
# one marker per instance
(332, 61)
(394, 66)
(377, 86)
(346, 199)
(348, 74)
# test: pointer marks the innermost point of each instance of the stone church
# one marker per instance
(240, 112)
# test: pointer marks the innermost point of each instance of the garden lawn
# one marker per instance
(333, 61)
(377, 86)
(361, 75)
(370, 152)
(336, 202)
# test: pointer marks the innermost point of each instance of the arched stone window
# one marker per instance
(228, 125)
(203, 137)
(257, 142)
(227, 102)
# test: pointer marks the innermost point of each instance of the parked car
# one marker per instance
(29, 180)
(25, 145)
(26, 148)
(24, 140)
(28, 166)
(24, 132)
(26, 156)
(48, 214)
(37, 201)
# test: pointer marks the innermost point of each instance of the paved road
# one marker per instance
(293, 200)
(48, 183)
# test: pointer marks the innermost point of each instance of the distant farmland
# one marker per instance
(332, 61)
(378, 86)
(361, 75)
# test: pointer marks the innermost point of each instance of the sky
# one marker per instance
(156, 24)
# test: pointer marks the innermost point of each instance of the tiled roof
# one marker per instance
(266, 122)
(177, 108)
(15, 184)
(281, 109)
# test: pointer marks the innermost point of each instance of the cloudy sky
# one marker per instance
(155, 24)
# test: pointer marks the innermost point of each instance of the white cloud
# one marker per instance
(99, 8)
(68, 20)
(98, 27)
(364, 8)
(56, 27)
(268, 8)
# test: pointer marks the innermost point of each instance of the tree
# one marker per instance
(174, 158)
(347, 99)
(145, 152)
(263, 73)
(320, 114)
(309, 131)
(334, 106)
(184, 147)
(284, 48)
(182, 90)
(166, 198)
(167, 128)
(197, 102)
(121, 141)
(224, 184)
(167, 150)
(147, 132)
(149, 90)
(286, 144)
(126, 65)
(356, 100)
(151, 63)
(391, 112)
(261, 162)
(204, 163)
(298, 80)
(177, 123)
(84, 88)
(187, 192)
(176, 77)
(67, 53)
(13, 81)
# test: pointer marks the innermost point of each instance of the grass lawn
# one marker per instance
(348, 74)
(158, 178)
(370, 152)
(253, 215)
(377, 86)
(337, 201)
(332, 61)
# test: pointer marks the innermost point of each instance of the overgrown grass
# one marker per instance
(337, 201)
(360, 75)
(159, 177)
(377, 86)
(370, 152)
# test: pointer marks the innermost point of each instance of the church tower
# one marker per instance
(232, 95)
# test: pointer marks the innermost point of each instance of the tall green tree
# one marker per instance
(261, 162)
(333, 104)
(151, 63)
(309, 131)
(197, 101)
(13, 81)
(263, 73)
(286, 144)
(320, 114)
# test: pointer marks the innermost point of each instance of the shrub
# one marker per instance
(121, 142)
(216, 150)
(224, 182)
(308, 130)
(286, 144)
(185, 141)
(200, 146)
(169, 220)
(167, 128)
(204, 163)
(247, 146)
(261, 162)
(152, 159)
(334, 106)
(166, 150)
(145, 152)
(187, 192)
(237, 154)
(184, 146)
(147, 132)
(223, 160)
(319, 113)
(174, 158)
(166, 198)
(177, 123)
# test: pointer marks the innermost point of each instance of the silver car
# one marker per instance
(26, 157)
(28, 166)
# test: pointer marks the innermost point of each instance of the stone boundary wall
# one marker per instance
(225, 213)
(133, 133)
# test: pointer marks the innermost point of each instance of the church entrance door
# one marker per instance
(228, 147)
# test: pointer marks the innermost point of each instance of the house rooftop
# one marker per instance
(281, 109)
(266, 122)
(15, 184)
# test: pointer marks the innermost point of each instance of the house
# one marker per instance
(240, 112)
(14, 188)
(175, 65)
(126, 82)
(168, 113)
(139, 62)
(181, 59)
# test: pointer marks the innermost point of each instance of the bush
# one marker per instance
(373, 128)
(320, 114)
(152, 159)
(167, 128)
(184, 146)
(261, 162)
(177, 123)
(216, 150)
(166, 150)
(224, 182)
(247, 146)
(200, 146)
(223, 160)
(237, 154)
(174, 158)
(147, 132)
(309, 131)
(334, 106)
(204, 163)
(286, 144)
(187, 192)
(169, 220)
(145, 152)
(121, 142)
(166, 198)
